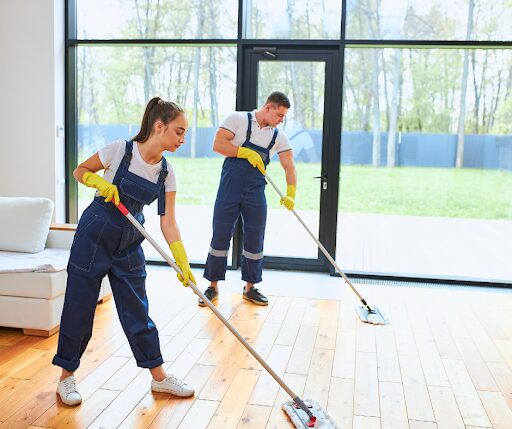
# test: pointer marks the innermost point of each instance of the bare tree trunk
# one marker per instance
(290, 5)
(376, 110)
(349, 88)
(213, 89)
(148, 53)
(494, 104)
(476, 91)
(296, 89)
(312, 95)
(214, 113)
(94, 111)
(374, 31)
(393, 120)
(81, 90)
(459, 161)
(197, 66)
(248, 20)
(385, 80)
(311, 78)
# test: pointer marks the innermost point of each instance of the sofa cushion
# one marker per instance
(33, 285)
(24, 223)
(47, 261)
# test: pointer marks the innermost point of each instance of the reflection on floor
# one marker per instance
(445, 361)
(409, 246)
(469, 249)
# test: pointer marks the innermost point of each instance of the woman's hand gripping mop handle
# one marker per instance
(196, 290)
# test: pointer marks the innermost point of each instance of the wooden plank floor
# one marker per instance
(444, 362)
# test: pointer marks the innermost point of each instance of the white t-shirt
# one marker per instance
(237, 123)
(112, 155)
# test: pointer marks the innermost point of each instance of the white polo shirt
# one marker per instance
(112, 155)
(237, 123)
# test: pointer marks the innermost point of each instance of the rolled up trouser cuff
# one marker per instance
(68, 365)
(252, 280)
(151, 363)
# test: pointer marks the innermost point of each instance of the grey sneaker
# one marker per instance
(172, 385)
(67, 391)
(211, 294)
(255, 296)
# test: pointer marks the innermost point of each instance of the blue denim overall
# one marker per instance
(106, 243)
(241, 192)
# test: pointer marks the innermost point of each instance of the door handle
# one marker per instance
(324, 180)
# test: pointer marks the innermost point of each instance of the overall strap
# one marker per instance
(248, 135)
(125, 163)
(127, 158)
(273, 141)
(161, 181)
(163, 171)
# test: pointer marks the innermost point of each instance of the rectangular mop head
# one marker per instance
(371, 315)
(301, 420)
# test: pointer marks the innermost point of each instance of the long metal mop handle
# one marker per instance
(164, 255)
(320, 245)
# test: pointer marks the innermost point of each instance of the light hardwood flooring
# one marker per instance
(444, 362)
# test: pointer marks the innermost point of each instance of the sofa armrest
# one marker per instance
(61, 236)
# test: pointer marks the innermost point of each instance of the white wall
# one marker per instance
(32, 100)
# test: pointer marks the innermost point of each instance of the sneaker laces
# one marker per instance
(176, 381)
(69, 386)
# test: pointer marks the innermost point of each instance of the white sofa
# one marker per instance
(32, 287)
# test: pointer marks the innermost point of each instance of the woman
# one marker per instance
(106, 243)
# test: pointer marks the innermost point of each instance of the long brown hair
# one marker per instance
(156, 109)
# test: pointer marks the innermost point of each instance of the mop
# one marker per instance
(366, 313)
(303, 413)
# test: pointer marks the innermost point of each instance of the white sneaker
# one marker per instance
(173, 385)
(67, 391)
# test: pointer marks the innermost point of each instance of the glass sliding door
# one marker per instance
(304, 76)
(303, 127)
(426, 165)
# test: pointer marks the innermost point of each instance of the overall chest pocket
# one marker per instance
(141, 192)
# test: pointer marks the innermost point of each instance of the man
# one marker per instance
(248, 140)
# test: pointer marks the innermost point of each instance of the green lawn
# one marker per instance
(445, 192)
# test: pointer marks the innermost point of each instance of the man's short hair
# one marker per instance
(279, 98)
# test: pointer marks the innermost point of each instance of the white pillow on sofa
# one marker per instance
(24, 223)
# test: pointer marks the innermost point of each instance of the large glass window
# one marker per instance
(157, 19)
(429, 19)
(114, 84)
(426, 175)
(292, 19)
(425, 186)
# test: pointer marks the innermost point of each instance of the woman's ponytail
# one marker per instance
(156, 109)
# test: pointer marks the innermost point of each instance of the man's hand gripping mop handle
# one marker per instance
(196, 290)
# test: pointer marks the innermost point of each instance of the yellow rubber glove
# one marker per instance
(107, 190)
(178, 251)
(253, 157)
(289, 200)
